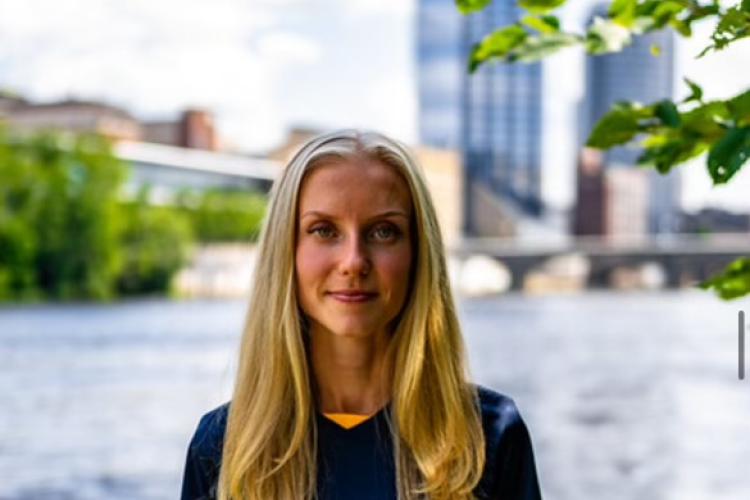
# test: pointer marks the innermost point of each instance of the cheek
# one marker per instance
(310, 265)
(395, 269)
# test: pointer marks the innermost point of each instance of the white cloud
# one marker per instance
(233, 56)
(398, 96)
(287, 48)
(393, 7)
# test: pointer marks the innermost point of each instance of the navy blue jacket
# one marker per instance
(358, 463)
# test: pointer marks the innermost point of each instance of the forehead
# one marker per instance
(354, 183)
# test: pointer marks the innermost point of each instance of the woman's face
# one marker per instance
(354, 248)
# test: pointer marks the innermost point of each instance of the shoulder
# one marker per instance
(510, 471)
(208, 440)
(499, 413)
(203, 462)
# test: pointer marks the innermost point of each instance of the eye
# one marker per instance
(385, 232)
(323, 231)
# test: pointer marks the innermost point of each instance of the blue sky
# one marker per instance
(261, 65)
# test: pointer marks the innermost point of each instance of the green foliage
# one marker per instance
(498, 45)
(542, 24)
(513, 43)
(623, 12)
(696, 92)
(59, 191)
(729, 154)
(469, 6)
(670, 132)
(155, 244)
(540, 6)
(66, 234)
(610, 33)
(619, 126)
(674, 135)
(733, 25)
(733, 282)
(224, 215)
(17, 250)
(739, 109)
(666, 112)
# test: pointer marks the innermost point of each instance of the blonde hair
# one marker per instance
(270, 441)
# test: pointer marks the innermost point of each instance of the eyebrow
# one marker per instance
(389, 213)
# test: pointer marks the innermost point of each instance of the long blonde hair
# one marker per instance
(270, 441)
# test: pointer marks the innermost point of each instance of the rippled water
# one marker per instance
(627, 396)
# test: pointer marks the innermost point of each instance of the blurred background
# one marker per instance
(138, 142)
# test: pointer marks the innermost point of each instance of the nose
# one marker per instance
(355, 260)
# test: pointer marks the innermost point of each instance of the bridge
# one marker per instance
(684, 258)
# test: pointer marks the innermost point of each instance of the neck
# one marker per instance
(353, 374)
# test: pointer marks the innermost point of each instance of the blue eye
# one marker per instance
(385, 232)
(324, 232)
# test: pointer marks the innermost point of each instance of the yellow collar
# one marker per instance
(347, 420)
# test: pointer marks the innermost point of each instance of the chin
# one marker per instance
(353, 332)
(360, 330)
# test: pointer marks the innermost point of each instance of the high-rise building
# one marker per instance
(501, 121)
(635, 74)
(440, 73)
(521, 126)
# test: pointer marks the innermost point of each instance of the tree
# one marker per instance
(64, 231)
(156, 242)
(59, 221)
(669, 132)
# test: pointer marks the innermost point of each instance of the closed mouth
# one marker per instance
(353, 296)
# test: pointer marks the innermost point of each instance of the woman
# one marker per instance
(352, 381)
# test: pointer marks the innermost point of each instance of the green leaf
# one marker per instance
(540, 6)
(705, 51)
(623, 12)
(745, 6)
(538, 47)
(666, 12)
(733, 282)
(655, 49)
(469, 6)
(647, 8)
(542, 24)
(732, 20)
(619, 126)
(729, 154)
(682, 27)
(665, 152)
(667, 112)
(734, 25)
(739, 107)
(497, 45)
(708, 121)
(696, 93)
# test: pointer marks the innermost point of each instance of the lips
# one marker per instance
(352, 296)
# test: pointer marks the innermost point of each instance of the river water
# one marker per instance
(626, 396)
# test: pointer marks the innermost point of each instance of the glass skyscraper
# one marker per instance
(501, 119)
(440, 73)
(634, 74)
(515, 124)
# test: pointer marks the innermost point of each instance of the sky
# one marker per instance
(263, 66)
(260, 65)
